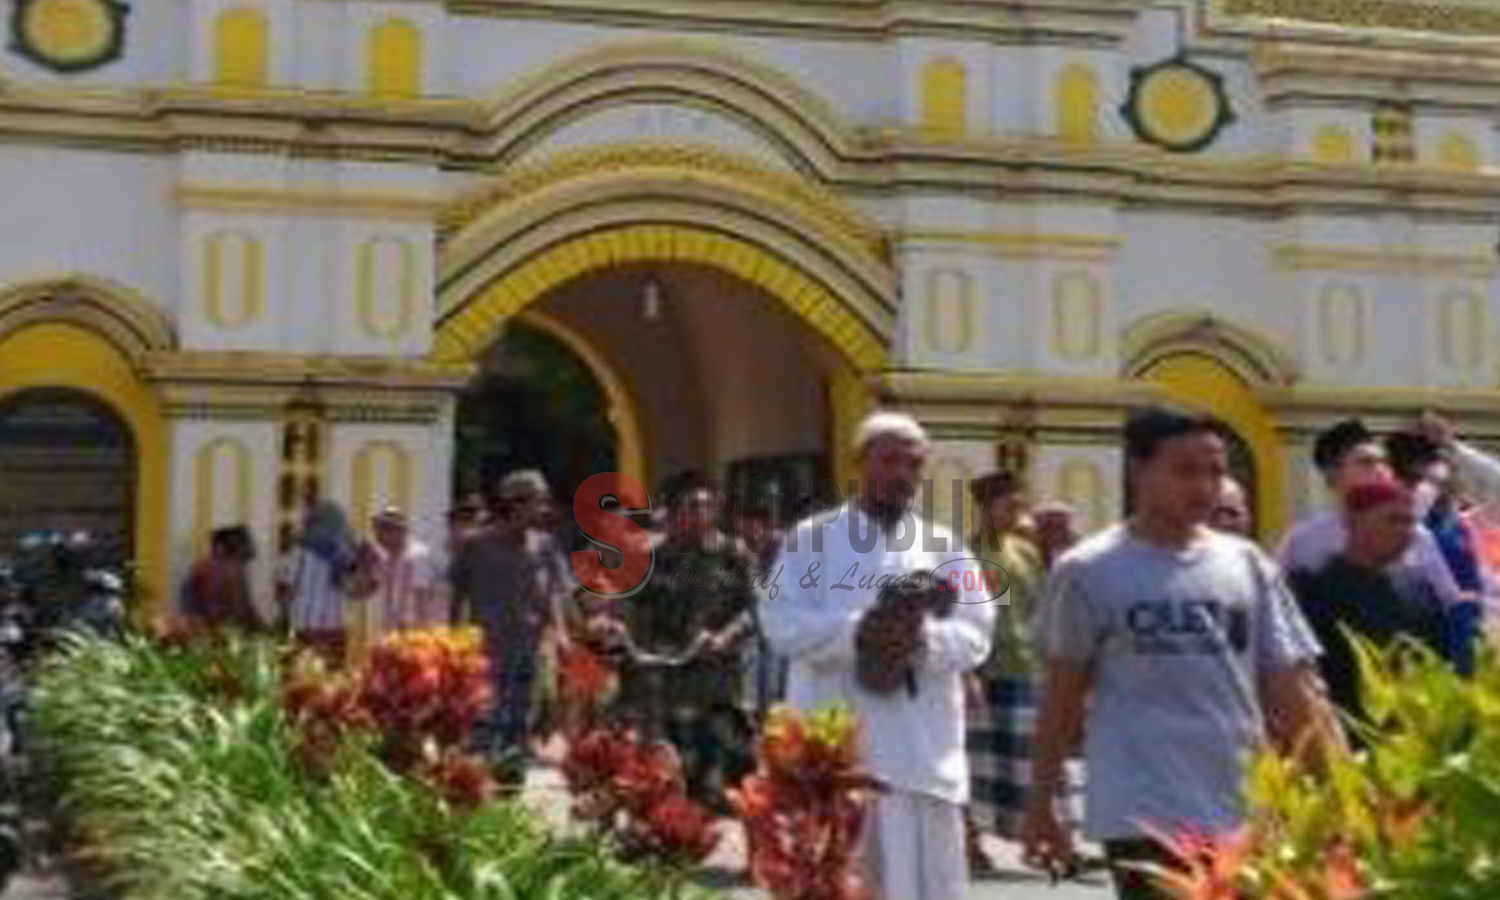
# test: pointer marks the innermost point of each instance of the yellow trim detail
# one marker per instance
(1179, 104)
(1076, 95)
(68, 30)
(364, 486)
(1460, 152)
(1334, 145)
(64, 355)
(1463, 329)
(463, 335)
(1077, 317)
(1343, 322)
(945, 98)
(947, 287)
(369, 288)
(850, 399)
(218, 276)
(206, 487)
(393, 63)
(129, 320)
(242, 48)
(1202, 382)
(1081, 485)
(624, 414)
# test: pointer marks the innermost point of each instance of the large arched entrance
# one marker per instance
(740, 334)
(658, 370)
(68, 463)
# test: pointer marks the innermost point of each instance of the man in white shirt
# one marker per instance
(1348, 455)
(826, 615)
(409, 574)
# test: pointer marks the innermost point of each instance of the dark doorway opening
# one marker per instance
(67, 466)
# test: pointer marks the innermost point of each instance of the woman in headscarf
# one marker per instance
(318, 578)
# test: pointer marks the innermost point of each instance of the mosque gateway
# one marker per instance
(256, 251)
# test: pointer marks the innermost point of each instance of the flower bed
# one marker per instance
(1416, 816)
(203, 771)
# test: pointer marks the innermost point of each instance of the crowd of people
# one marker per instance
(1134, 670)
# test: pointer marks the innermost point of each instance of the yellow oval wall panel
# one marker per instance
(1076, 96)
(394, 60)
(1334, 145)
(1077, 316)
(242, 48)
(386, 287)
(381, 477)
(950, 310)
(945, 97)
(1463, 329)
(1343, 325)
(1080, 484)
(233, 279)
(1459, 151)
(222, 482)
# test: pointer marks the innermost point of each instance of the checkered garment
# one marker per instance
(999, 743)
(999, 737)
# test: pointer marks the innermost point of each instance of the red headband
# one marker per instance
(1365, 497)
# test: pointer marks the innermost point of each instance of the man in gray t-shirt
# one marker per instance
(1177, 652)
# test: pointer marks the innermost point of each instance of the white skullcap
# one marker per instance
(898, 426)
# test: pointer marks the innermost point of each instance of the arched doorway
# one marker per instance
(69, 464)
(1199, 381)
(681, 366)
(534, 405)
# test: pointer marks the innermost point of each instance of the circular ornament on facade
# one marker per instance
(69, 35)
(1177, 105)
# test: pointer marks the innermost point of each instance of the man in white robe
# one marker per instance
(912, 740)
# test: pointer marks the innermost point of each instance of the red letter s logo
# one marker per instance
(611, 529)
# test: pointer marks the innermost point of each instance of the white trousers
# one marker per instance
(914, 848)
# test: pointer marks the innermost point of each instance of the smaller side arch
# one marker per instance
(1253, 357)
(136, 326)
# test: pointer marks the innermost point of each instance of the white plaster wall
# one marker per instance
(1050, 481)
(659, 123)
(951, 466)
(486, 56)
(262, 440)
(101, 214)
(1213, 264)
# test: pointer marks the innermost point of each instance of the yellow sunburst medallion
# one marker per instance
(69, 35)
(1178, 105)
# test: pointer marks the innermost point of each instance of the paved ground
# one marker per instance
(1012, 882)
(546, 795)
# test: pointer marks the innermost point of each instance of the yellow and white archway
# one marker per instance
(91, 336)
(1218, 366)
(535, 231)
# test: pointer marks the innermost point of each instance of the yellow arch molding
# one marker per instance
(1253, 357)
(464, 335)
(623, 413)
(64, 355)
(1206, 384)
(704, 73)
(127, 319)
